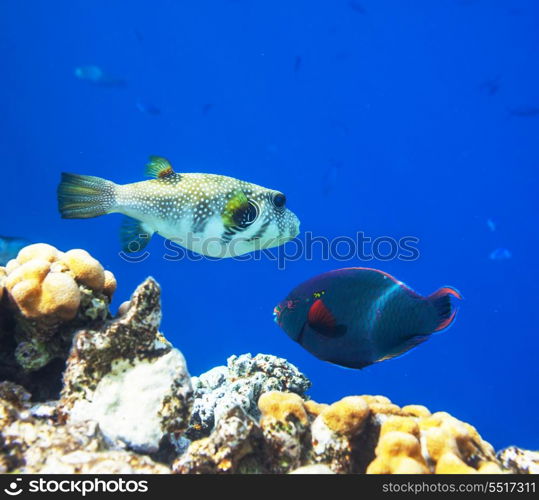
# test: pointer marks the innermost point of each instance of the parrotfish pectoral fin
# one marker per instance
(159, 168)
(404, 347)
(134, 235)
(322, 320)
(445, 310)
(85, 196)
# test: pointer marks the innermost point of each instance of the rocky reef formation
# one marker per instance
(82, 391)
(240, 384)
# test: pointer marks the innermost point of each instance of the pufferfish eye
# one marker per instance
(279, 200)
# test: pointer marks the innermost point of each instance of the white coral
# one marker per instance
(127, 401)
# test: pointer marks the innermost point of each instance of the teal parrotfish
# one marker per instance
(355, 317)
(210, 214)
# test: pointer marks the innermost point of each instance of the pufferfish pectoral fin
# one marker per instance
(321, 319)
(159, 168)
(134, 235)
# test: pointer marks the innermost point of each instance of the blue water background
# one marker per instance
(376, 119)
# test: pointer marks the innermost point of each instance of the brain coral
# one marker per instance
(49, 294)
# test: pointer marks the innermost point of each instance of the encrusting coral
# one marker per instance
(240, 384)
(127, 404)
(285, 426)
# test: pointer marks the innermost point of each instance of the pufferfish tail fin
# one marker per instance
(85, 196)
(443, 306)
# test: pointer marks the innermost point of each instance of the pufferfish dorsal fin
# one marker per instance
(159, 167)
(236, 209)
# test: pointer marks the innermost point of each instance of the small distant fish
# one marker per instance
(331, 175)
(213, 215)
(298, 60)
(96, 76)
(491, 225)
(357, 7)
(524, 111)
(490, 87)
(358, 316)
(148, 108)
(207, 107)
(500, 254)
(9, 248)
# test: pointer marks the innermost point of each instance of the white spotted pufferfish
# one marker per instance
(210, 214)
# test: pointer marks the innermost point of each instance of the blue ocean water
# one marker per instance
(391, 118)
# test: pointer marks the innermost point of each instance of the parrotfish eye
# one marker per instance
(279, 200)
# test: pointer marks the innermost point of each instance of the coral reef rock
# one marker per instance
(33, 445)
(126, 377)
(45, 296)
(82, 392)
(358, 434)
(233, 447)
(519, 461)
(240, 384)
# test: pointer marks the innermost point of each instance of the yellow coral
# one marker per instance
(313, 408)
(402, 424)
(35, 269)
(398, 452)
(38, 251)
(42, 281)
(11, 265)
(416, 410)
(378, 466)
(450, 463)
(59, 296)
(489, 468)
(110, 284)
(26, 295)
(124, 307)
(397, 443)
(434, 420)
(375, 399)
(408, 465)
(346, 416)
(385, 408)
(2, 279)
(282, 406)
(438, 442)
(86, 270)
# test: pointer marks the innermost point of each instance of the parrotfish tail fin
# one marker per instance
(443, 306)
(84, 196)
(134, 235)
